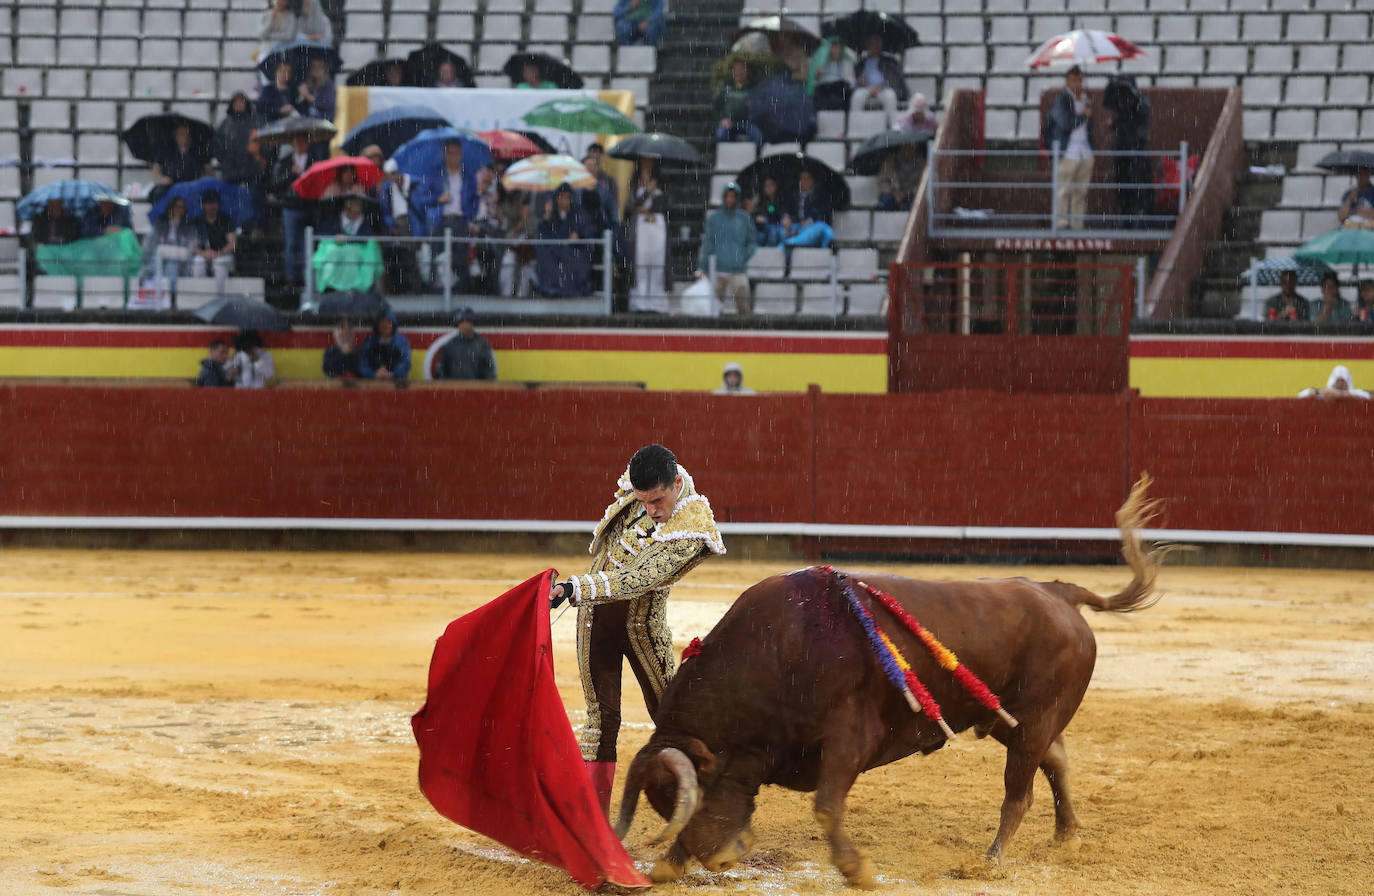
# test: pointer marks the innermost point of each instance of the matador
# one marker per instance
(655, 530)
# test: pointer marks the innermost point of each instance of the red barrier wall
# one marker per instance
(952, 458)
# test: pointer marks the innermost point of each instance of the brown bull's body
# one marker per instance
(787, 691)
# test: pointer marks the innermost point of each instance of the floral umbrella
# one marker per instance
(509, 144)
(541, 173)
(1083, 47)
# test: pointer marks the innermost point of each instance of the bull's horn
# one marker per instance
(628, 802)
(688, 793)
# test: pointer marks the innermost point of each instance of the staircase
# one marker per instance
(698, 34)
(1218, 291)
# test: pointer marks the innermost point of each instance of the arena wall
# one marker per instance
(811, 459)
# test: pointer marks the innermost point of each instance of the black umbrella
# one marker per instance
(391, 128)
(1347, 161)
(243, 313)
(780, 30)
(868, 158)
(782, 111)
(538, 140)
(357, 303)
(422, 66)
(285, 130)
(300, 53)
(153, 136)
(374, 74)
(550, 69)
(855, 29)
(656, 146)
(785, 168)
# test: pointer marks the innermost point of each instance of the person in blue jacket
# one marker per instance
(386, 352)
(563, 268)
(447, 197)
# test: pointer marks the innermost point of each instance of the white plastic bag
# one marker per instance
(699, 299)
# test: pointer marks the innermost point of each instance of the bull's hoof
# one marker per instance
(1068, 844)
(665, 872)
(861, 874)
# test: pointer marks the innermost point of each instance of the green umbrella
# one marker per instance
(347, 266)
(580, 115)
(112, 254)
(1353, 246)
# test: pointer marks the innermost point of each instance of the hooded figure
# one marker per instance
(467, 356)
(236, 164)
(563, 268)
(386, 352)
(731, 238)
(732, 381)
(830, 77)
(1338, 385)
(1131, 133)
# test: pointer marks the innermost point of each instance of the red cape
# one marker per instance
(497, 753)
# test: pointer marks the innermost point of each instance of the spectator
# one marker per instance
(276, 100)
(101, 218)
(638, 22)
(168, 247)
(1357, 205)
(1334, 309)
(350, 221)
(562, 269)
(1068, 129)
(399, 258)
(341, 358)
(277, 26)
(373, 153)
(181, 163)
(768, 210)
(467, 356)
(237, 151)
(386, 351)
(602, 202)
(1364, 303)
(216, 239)
(448, 199)
(879, 81)
(345, 183)
(731, 108)
(808, 222)
(533, 79)
(213, 370)
(1132, 173)
(350, 260)
(730, 238)
(1338, 385)
(252, 366)
(517, 265)
(732, 380)
(292, 163)
(53, 226)
(395, 74)
(1286, 304)
(447, 75)
(486, 257)
(830, 78)
(898, 178)
(918, 118)
(313, 24)
(646, 218)
(316, 92)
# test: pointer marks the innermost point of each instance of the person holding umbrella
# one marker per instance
(317, 91)
(447, 198)
(1287, 304)
(216, 239)
(252, 366)
(830, 79)
(1357, 205)
(646, 214)
(731, 108)
(879, 81)
(898, 177)
(294, 161)
(181, 162)
(533, 79)
(1068, 128)
(562, 269)
(53, 226)
(276, 99)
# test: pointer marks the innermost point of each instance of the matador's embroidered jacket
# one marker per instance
(634, 557)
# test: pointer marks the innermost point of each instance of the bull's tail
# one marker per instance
(1135, 514)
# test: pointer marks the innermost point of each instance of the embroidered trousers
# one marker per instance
(634, 630)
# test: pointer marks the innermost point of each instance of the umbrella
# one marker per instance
(151, 136)
(78, 197)
(785, 167)
(538, 140)
(780, 30)
(391, 128)
(300, 53)
(656, 146)
(580, 115)
(425, 152)
(550, 69)
(1309, 270)
(285, 130)
(541, 173)
(362, 304)
(868, 158)
(422, 66)
(509, 144)
(373, 74)
(1083, 47)
(243, 313)
(782, 111)
(855, 29)
(1352, 246)
(1347, 161)
(320, 175)
(234, 200)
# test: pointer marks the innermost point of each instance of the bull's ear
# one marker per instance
(702, 757)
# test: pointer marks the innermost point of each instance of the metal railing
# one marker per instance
(945, 219)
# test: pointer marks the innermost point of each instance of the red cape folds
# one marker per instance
(497, 753)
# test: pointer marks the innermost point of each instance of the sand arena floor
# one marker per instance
(238, 723)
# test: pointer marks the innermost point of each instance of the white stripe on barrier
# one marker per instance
(581, 527)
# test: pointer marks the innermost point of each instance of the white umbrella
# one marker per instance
(1083, 47)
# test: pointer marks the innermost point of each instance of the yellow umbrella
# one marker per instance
(541, 173)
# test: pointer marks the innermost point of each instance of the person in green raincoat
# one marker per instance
(830, 80)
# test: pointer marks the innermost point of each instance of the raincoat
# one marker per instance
(393, 355)
(730, 236)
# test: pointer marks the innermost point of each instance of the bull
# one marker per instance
(786, 691)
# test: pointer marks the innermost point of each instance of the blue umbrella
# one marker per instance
(78, 197)
(1267, 273)
(299, 53)
(392, 128)
(234, 201)
(425, 152)
(782, 111)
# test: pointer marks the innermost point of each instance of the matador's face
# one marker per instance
(660, 502)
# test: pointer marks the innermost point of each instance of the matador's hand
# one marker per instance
(557, 594)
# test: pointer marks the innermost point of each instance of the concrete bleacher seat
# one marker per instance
(774, 298)
(888, 227)
(9, 291)
(854, 225)
(864, 124)
(829, 124)
(830, 152)
(821, 299)
(733, 157)
(407, 26)
(590, 59)
(768, 263)
(865, 298)
(454, 26)
(491, 57)
(501, 28)
(809, 263)
(51, 291)
(863, 191)
(9, 183)
(856, 264)
(636, 60)
(595, 29)
(550, 27)
(1280, 226)
(193, 292)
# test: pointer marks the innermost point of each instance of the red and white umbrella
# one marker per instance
(1083, 47)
